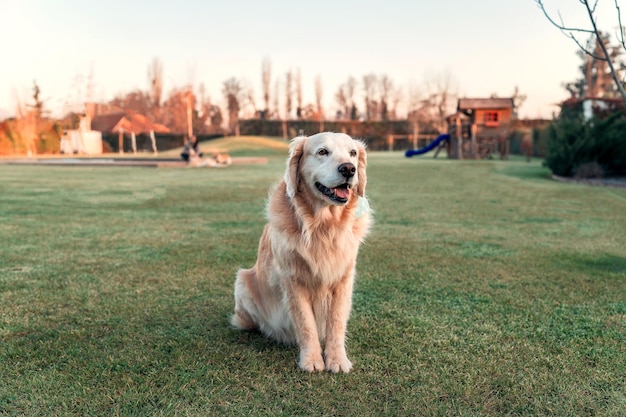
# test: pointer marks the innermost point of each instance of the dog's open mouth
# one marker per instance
(339, 194)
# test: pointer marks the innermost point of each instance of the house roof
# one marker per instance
(484, 103)
(127, 121)
(107, 122)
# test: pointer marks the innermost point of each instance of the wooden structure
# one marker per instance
(480, 128)
(127, 122)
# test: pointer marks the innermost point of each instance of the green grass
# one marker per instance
(240, 146)
(485, 289)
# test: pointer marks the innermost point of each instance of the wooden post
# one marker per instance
(473, 138)
(133, 142)
(459, 140)
(120, 141)
(153, 140)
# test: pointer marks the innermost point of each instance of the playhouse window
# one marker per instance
(491, 118)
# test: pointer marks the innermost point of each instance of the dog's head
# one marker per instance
(331, 165)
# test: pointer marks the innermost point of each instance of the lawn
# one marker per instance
(485, 289)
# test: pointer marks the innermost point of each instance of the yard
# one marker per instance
(485, 289)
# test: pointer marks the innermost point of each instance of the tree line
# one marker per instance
(370, 97)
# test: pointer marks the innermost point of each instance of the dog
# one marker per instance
(299, 292)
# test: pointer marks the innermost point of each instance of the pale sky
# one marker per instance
(487, 46)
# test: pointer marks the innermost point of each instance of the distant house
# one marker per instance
(83, 140)
(593, 106)
(122, 123)
(126, 122)
(480, 127)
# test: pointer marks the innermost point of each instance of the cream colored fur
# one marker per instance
(300, 289)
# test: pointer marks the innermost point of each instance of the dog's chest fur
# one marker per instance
(322, 240)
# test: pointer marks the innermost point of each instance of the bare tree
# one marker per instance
(345, 98)
(91, 85)
(370, 84)
(396, 98)
(249, 101)
(518, 100)
(75, 99)
(441, 95)
(137, 101)
(38, 102)
(266, 80)
(155, 77)
(601, 53)
(298, 94)
(276, 105)
(417, 110)
(596, 78)
(387, 91)
(288, 93)
(175, 109)
(318, 101)
(203, 112)
(215, 114)
(233, 91)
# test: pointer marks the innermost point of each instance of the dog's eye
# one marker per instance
(353, 152)
(322, 152)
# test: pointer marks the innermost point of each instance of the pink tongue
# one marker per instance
(342, 192)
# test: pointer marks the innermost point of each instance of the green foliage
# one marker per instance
(574, 143)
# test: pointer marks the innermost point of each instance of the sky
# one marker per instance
(484, 47)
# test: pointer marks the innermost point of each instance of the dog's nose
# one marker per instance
(347, 169)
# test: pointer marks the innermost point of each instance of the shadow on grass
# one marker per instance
(607, 262)
(256, 341)
(529, 171)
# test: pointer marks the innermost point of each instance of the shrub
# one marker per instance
(574, 143)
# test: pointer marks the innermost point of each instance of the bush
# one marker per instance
(575, 145)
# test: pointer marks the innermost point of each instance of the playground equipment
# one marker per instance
(432, 145)
(480, 128)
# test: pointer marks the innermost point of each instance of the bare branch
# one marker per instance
(560, 26)
(585, 50)
(620, 86)
(595, 32)
(621, 27)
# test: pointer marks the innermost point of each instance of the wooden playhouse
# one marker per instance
(480, 128)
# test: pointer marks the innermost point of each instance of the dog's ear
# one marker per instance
(360, 189)
(292, 174)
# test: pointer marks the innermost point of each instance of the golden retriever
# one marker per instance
(300, 289)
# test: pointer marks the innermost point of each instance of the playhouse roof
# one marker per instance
(484, 103)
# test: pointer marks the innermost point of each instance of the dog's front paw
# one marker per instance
(338, 363)
(311, 362)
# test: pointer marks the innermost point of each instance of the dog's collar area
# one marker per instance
(362, 208)
(338, 194)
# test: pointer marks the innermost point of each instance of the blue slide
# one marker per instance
(432, 145)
